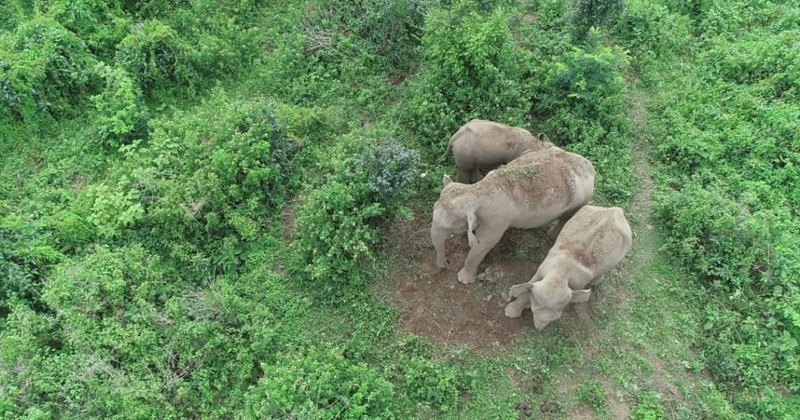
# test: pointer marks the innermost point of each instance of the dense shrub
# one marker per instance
(392, 28)
(46, 69)
(322, 384)
(156, 56)
(26, 254)
(581, 105)
(121, 114)
(101, 24)
(587, 14)
(339, 222)
(471, 69)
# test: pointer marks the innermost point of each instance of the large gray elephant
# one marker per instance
(531, 191)
(481, 144)
(593, 241)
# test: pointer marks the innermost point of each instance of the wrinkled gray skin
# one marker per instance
(531, 191)
(593, 241)
(481, 144)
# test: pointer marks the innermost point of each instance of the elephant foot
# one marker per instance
(465, 277)
(442, 264)
(554, 230)
(514, 310)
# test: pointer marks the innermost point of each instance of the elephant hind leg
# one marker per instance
(475, 175)
(556, 229)
(464, 175)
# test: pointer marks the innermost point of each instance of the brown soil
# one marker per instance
(432, 303)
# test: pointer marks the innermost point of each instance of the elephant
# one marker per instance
(593, 241)
(481, 144)
(531, 191)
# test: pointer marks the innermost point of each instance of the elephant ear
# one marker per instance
(518, 290)
(446, 180)
(580, 296)
(472, 224)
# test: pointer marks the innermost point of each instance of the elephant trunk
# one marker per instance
(439, 236)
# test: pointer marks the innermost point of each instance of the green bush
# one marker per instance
(319, 383)
(471, 69)
(209, 176)
(101, 24)
(26, 255)
(393, 29)
(120, 112)
(46, 69)
(339, 221)
(581, 105)
(156, 57)
(587, 14)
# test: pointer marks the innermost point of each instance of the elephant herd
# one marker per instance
(539, 184)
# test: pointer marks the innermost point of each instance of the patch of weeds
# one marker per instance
(648, 407)
(592, 394)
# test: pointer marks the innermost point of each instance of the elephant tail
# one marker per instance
(458, 134)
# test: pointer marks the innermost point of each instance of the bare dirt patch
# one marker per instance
(433, 304)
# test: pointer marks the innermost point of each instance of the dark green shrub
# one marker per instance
(390, 168)
(101, 24)
(120, 112)
(392, 28)
(26, 254)
(471, 69)
(339, 221)
(587, 14)
(46, 69)
(581, 105)
(156, 57)
(209, 175)
(320, 383)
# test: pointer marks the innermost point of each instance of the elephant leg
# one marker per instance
(475, 175)
(514, 309)
(597, 280)
(487, 235)
(553, 232)
(464, 175)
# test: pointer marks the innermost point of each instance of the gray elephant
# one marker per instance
(531, 191)
(481, 144)
(593, 241)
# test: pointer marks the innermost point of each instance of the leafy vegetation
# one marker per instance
(197, 197)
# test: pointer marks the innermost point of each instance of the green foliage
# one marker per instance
(581, 104)
(593, 395)
(209, 175)
(319, 383)
(393, 29)
(27, 252)
(45, 69)
(101, 24)
(587, 14)
(156, 56)
(648, 407)
(390, 168)
(471, 69)
(121, 114)
(650, 32)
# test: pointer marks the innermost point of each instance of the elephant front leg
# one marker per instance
(487, 236)
(514, 309)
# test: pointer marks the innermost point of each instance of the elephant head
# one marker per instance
(548, 298)
(452, 213)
